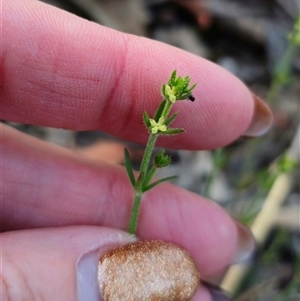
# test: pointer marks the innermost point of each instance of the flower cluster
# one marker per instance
(177, 88)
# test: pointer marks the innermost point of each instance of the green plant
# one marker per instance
(177, 88)
(282, 74)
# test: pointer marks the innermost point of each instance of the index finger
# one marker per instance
(62, 71)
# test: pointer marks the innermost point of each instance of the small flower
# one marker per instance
(157, 126)
(170, 93)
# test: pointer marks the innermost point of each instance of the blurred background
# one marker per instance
(255, 180)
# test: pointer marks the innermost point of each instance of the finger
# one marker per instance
(44, 185)
(59, 70)
(59, 263)
(41, 264)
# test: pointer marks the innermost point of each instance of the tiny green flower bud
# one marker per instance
(161, 159)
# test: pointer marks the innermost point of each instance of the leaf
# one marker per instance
(160, 110)
(172, 131)
(172, 78)
(146, 119)
(192, 88)
(158, 182)
(171, 119)
(149, 174)
(129, 167)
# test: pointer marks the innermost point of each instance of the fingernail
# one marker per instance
(245, 244)
(147, 270)
(262, 118)
(217, 294)
(87, 267)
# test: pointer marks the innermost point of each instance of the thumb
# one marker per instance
(61, 263)
(55, 263)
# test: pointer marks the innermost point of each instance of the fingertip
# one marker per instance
(87, 268)
(195, 223)
(42, 263)
(92, 71)
(262, 118)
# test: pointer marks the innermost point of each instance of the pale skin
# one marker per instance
(61, 71)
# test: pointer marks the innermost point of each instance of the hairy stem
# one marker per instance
(148, 153)
(138, 187)
(166, 110)
(135, 213)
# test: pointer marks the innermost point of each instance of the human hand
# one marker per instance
(61, 71)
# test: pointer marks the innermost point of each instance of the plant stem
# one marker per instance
(138, 188)
(135, 213)
(282, 71)
(147, 174)
(148, 153)
(166, 109)
(209, 182)
(216, 157)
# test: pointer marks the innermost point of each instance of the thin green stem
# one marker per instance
(147, 173)
(166, 109)
(216, 158)
(282, 72)
(148, 153)
(138, 187)
(209, 182)
(135, 213)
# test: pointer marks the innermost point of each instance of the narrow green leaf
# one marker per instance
(171, 119)
(183, 97)
(192, 87)
(129, 167)
(172, 78)
(146, 119)
(149, 174)
(163, 89)
(172, 131)
(158, 182)
(160, 110)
